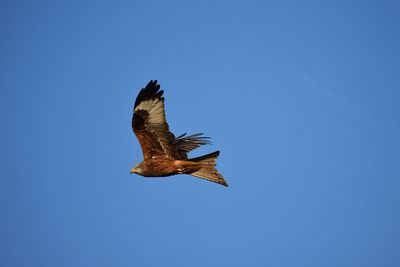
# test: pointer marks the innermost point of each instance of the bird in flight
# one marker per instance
(163, 153)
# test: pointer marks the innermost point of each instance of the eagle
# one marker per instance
(163, 153)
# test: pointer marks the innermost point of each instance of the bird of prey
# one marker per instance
(163, 153)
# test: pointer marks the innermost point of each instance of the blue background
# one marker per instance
(301, 97)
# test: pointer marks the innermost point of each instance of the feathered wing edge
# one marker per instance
(208, 170)
(150, 92)
(190, 142)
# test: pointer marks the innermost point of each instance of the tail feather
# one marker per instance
(208, 171)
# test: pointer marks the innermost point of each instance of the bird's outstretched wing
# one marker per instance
(150, 126)
(186, 143)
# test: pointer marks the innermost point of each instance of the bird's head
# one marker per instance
(137, 169)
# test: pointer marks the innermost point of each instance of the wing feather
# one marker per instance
(185, 144)
(150, 126)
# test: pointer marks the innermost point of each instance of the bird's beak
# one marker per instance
(134, 170)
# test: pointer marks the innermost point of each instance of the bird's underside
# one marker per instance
(163, 153)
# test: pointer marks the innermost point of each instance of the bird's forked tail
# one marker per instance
(208, 171)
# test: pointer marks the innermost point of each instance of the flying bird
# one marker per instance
(163, 153)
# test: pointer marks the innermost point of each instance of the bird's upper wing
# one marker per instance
(150, 126)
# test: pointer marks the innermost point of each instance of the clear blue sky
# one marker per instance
(301, 97)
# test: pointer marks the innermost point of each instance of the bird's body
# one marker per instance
(166, 167)
(163, 153)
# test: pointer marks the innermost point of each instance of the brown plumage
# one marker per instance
(163, 153)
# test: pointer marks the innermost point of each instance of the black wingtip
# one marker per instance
(151, 91)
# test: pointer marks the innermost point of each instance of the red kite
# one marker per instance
(163, 153)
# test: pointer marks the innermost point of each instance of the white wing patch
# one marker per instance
(155, 108)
